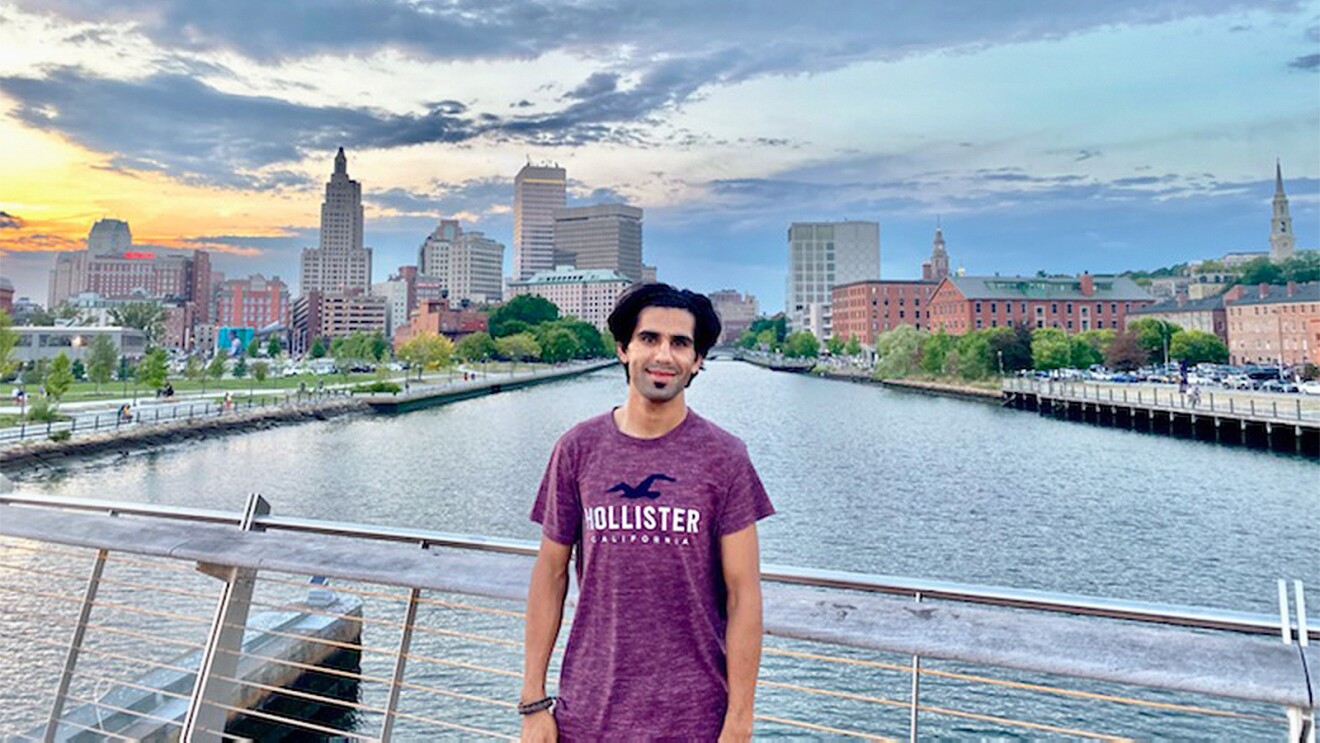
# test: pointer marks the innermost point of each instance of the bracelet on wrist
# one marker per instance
(531, 708)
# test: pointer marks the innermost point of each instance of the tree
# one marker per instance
(835, 345)
(1087, 348)
(193, 370)
(518, 347)
(317, 350)
(253, 349)
(153, 369)
(777, 324)
(377, 346)
(1050, 349)
(60, 377)
(8, 340)
(1260, 271)
(1153, 335)
(899, 352)
(1125, 352)
(1192, 346)
(216, 369)
(273, 346)
(240, 369)
(934, 351)
(854, 346)
(969, 357)
(427, 351)
(747, 340)
(148, 317)
(1010, 348)
(557, 345)
(526, 308)
(801, 345)
(474, 347)
(260, 370)
(101, 358)
(125, 370)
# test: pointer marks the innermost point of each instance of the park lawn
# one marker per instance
(82, 391)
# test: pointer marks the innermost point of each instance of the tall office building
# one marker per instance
(607, 236)
(538, 190)
(1282, 245)
(434, 252)
(468, 265)
(109, 237)
(341, 262)
(820, 256)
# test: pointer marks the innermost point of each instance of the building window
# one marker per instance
(978, 308)
(1068, 308)
(1054, 308)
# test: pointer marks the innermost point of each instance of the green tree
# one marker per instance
(240, 369)
(1260, 271)
(216, 369)
(1125, 352)
(747, 340)
(766, 340)
(934, 352)
(525, 308)
(8, 340)
(153, 370)
(835, 345)
(1192, 346)
(801, 345)
(101, 359)
(1153, 334)
(377, 346)
(557, 345)
(899, 352)
(777, 325)
(1050, 349)
(260, 370)
(427, 351)
(79, 370)
(253, 349)
(273, 346)
(854, 346)
(969, 357)
(193, 370)
(317, 350)
(125, 370)
(474, 347)
(1087, 348)
(148, 317)
(60, 377)
(1303, 267)
(518, 347)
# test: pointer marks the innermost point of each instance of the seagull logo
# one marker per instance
(643, 488)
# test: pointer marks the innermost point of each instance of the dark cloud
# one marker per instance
(1309, 63)
(446, 199)
(10, 221)
(599, 83)
(1083, 155)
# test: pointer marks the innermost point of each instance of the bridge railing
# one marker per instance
(1283, 408)
(420, 635)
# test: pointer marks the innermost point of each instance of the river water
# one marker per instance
(864, 479)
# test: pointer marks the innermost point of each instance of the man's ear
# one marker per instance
(621, 352)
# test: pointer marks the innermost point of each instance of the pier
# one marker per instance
(418, 397)
(1287, 424)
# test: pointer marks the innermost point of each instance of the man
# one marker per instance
(661, 506)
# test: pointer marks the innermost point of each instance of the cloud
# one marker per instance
(10, 221)
(38, 242)
(444, 200)
(1308, 63)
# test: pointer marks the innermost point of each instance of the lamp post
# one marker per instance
(1001, 362)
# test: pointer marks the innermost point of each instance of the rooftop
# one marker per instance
(1278, 294)
(564, 275)
(1048, 287)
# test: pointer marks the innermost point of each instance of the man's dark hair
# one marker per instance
(623, 320)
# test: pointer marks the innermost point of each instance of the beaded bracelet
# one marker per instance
(531, 708)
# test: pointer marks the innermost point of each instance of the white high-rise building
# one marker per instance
(607, 236)
(1282, 245)
(341, 263)
(395, 292)
(468, 265)
(538, 190)
(434, 253)
(821, 255)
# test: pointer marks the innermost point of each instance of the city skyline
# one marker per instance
(1064, 139)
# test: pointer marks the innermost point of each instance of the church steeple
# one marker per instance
(939, 258)
(1281, 236)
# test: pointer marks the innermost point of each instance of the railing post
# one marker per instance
(400, 664)
(205, 721)
(916, 692)
(1301, 720)
(75, 644)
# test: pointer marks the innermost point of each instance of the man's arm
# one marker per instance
(741, 564)
(545, 611)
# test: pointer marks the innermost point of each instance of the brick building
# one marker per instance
(254, 302)
(736, 312)
(1272, 324)
(1074, 305)
(333, 314)
(868, 308)
(436, 316)
(1207, 315)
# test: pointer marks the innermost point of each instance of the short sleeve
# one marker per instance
(558, 509)
(746, 501)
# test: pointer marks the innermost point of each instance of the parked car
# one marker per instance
(1124, 377)
(1277, 385)
(1310, 388)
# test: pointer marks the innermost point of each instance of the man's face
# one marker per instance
(661, 355)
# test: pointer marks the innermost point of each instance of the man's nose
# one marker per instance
(665, 351)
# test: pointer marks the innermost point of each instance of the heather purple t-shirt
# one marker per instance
(646, 655)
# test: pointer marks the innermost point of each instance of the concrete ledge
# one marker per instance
(429, 398)
(1221, 664)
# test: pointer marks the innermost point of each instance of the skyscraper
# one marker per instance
(341, 262)
(1281, 234)
(605, 236)
(109, 237)
(538, 190)
(821, 255)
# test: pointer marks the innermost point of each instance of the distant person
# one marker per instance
(661, 506)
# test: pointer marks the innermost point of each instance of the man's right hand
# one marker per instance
(539, 727)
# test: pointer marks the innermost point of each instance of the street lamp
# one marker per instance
(1001, 363)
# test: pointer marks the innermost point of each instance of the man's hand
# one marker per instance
(737, 728)
(540, 727)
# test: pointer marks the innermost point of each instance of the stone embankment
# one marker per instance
(942, 389)
(46, 453)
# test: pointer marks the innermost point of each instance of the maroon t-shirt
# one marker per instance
(646, 655)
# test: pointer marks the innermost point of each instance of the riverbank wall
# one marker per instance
(46, 453)
(923, 387)
(420, 398)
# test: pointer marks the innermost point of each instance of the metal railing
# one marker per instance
(1279, 408)
(434, 648)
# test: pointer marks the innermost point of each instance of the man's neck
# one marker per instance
(643, 419)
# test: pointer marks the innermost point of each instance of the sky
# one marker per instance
(1127, 134)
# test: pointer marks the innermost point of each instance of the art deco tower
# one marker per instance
(341, 263)
(1281, 234)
